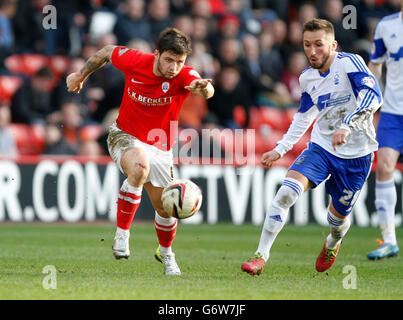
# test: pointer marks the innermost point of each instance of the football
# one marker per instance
(181, 198)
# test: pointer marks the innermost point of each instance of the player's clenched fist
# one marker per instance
(269, 158)
(74, 82)
(339, 138)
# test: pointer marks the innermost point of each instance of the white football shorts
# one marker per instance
(161, 162)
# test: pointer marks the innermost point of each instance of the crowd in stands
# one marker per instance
(252, 49)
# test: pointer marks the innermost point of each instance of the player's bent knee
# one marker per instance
(384, 170)
(137, 174)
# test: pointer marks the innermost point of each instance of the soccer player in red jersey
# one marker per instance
(140, 141)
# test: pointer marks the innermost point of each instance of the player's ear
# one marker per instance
(334, 45)
(156, 53)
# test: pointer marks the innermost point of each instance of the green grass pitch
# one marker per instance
(210, 257)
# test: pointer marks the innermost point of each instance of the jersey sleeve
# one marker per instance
(361, 78)
(188, 74)
(366, 90)
(125, 58)
(378, 53)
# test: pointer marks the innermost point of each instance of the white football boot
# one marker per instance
(120, 247)
(169, 262)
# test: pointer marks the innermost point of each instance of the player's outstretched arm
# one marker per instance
(376, 69)
(201, 87)
(76, 80)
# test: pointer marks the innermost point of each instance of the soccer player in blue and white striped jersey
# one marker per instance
(388, 49)
(342, 94)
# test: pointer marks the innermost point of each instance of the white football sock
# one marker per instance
(277, 214)
(338, 229)
(385, 202)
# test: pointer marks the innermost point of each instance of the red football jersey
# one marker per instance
(150, 105)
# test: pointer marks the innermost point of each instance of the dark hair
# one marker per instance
(44, 72)
(174, 40)
(319, 24)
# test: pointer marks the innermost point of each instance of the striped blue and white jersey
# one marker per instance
(388, 48)
(345, 97)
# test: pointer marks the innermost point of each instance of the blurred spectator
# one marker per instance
(72, 23)
(61, 95)
(228, 28)
(278, 6)
(8, 146)
(297, 62)
(248, 24)
(229, 51)
(140, 44)
(307, 11)
(32, 103)
(56, 143)
(7, 11)
(230, 93)
(132, 23)
(393, 6)
(252, 71)
(294, 38)
(202, 60)
(179, 6)
(109, 119)
(184, 23)
(27, 26)
(201, 8)
(279, 32)
(194, 108)
(70, 122)
(333, 11)
(159, 13)
(90, 148)
(271, 58)
(200, 29)
(369, 9)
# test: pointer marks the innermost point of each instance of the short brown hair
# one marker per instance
(174, 40)
(319, 24)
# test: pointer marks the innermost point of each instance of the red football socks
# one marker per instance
(128, 201)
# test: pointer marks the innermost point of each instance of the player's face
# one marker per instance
(318, 47)
(169, 64)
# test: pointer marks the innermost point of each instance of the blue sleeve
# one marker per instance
(363, 80)
(379, 49)
(306, 102)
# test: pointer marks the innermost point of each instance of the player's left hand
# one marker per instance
(339, 138)
(196, 86)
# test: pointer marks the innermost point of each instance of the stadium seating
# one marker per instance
(58, 65)
(91, 132)
(13, 64)
(275, 118)
(31, 63)
(30, 140)
(8, 86)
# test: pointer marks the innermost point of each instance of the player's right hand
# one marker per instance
(74, 82)
(269, 158)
